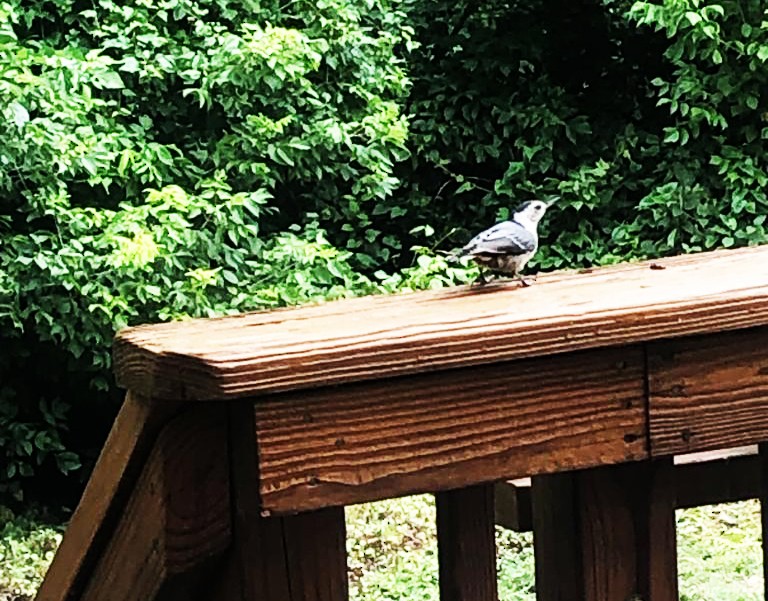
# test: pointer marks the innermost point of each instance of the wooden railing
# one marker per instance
(242, 438)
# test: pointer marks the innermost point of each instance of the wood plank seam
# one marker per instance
(647, 399)
(708, 392)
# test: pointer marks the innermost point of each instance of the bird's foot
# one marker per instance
(525, 283)
(479, 280)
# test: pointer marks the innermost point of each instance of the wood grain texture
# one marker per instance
(434, 432)
(316, 554)
(466, 544)
(255, 564)
(380, 337)
(724, 480)
(763, 455)
(128, 445)
(294, 558)
(556, 538)
(177, 520)
(708, 392)
(627, 518)
(513, 505)
(606, 534)
(713, 478)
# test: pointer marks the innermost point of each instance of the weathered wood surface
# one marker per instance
(763, 455)
(380, 337)
(606, 533)
(177, 520)
(294, 558)
(128, 445)
(316, 554)
(556, 542)
(628, 512)
(255, 565)
(725, 478)
(708, 392)
(513, 505)
(433, 432)
(466, 544)
(699, 479)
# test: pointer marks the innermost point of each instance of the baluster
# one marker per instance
(466, 544)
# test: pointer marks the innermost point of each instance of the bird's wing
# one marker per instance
(506, 238)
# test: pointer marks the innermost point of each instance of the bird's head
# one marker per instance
(532, 211)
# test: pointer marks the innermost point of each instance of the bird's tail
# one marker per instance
(456, 255)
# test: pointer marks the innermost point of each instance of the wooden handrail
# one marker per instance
(382, 337)
(254, 431)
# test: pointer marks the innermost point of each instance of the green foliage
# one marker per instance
(392, 553)
(712, 192)
(28, 444)
(200, 157)
(646, 118)
(27, 546)
(720, 553)
(173, 160)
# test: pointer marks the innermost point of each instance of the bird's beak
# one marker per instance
(552, 201)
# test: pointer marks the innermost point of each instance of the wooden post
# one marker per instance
(292, 558)
(606, 534)
(763, 450)
(466, 544)
(109, 489)
(177, 522)
(315, 546)
(555, 538)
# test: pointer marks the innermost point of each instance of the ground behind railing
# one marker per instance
(393, 553)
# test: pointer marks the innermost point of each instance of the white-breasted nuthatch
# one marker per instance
(508, 246)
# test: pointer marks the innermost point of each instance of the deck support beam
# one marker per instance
(606, 534)
(466, 544)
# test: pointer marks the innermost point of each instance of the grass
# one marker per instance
(719, 555)
(393, 553)
(27, 546)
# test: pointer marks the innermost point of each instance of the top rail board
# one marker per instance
(385, 336)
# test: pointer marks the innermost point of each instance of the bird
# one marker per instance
(507, 246)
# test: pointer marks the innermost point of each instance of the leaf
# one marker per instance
(230, 276)
(89, 165)
(693, 18)
(67, 462)
(109, 80)
(19, 114)
(130, 64)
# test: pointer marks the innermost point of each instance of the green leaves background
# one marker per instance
(179, 158)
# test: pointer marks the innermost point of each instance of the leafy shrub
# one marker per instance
(646, 118)
(155, 160)
(27, 546)
(198, 157)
